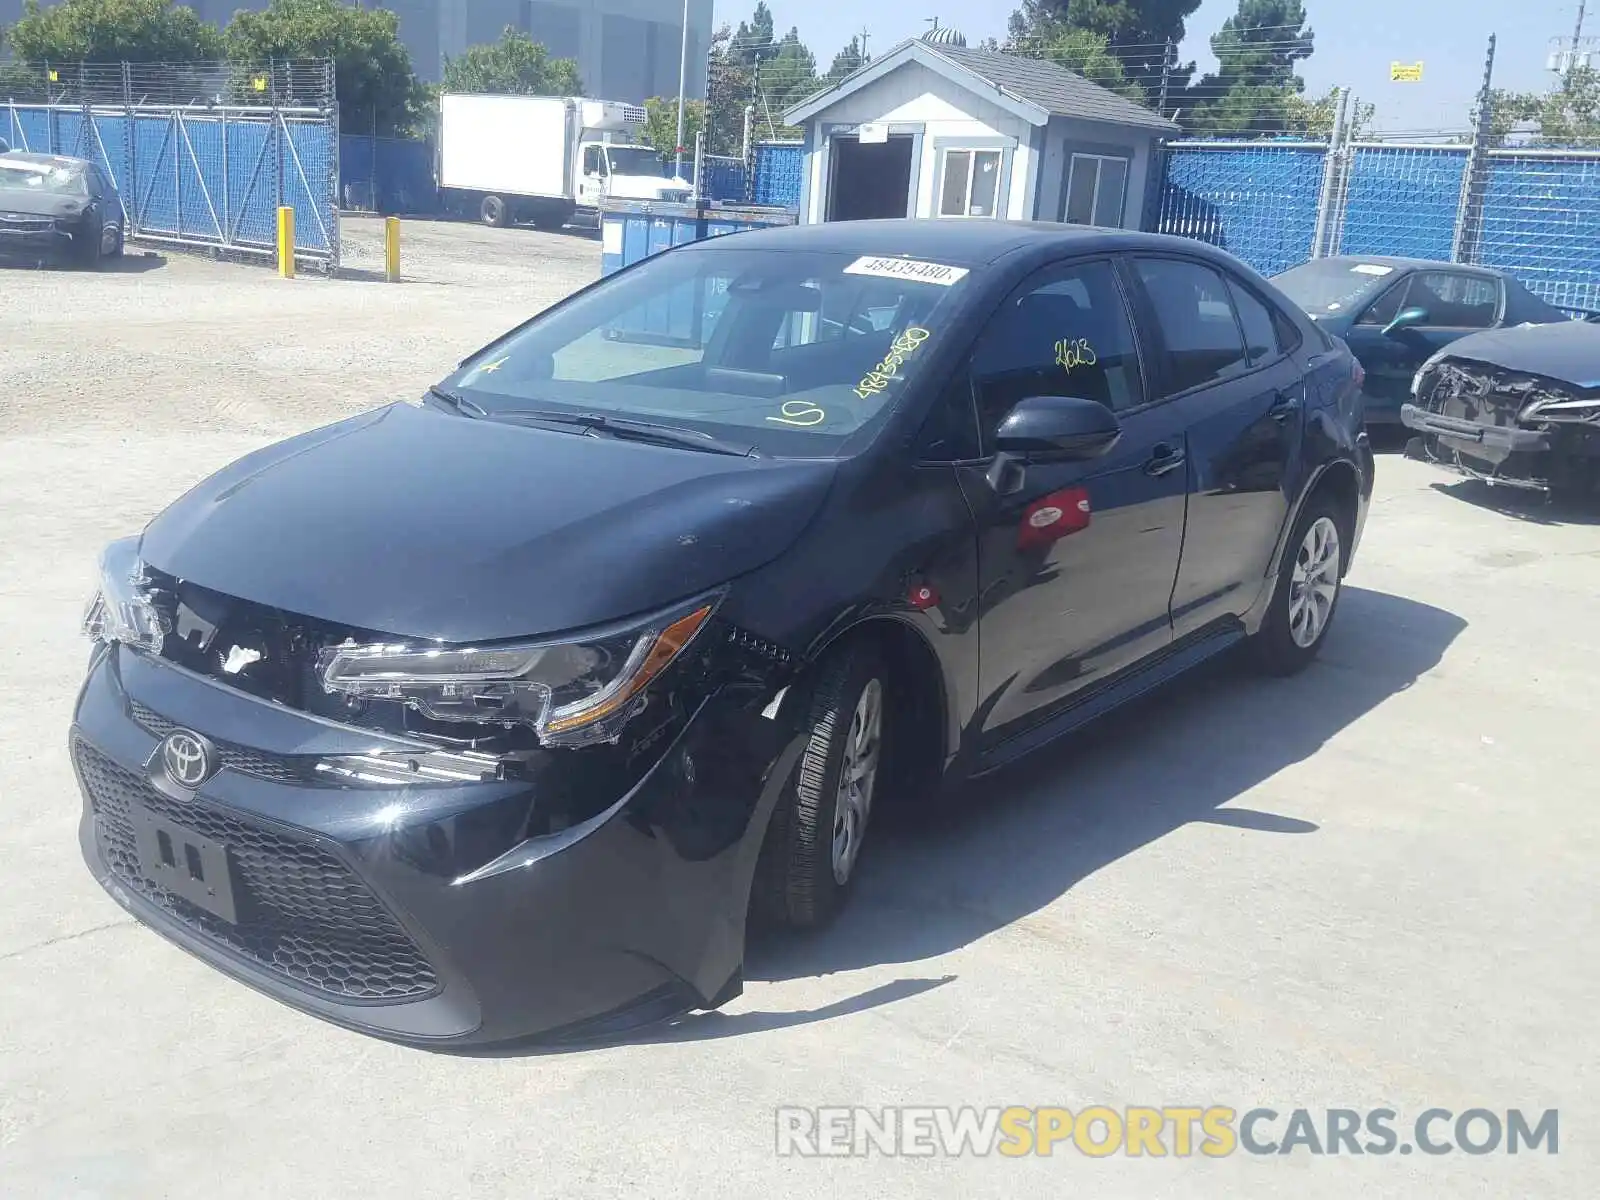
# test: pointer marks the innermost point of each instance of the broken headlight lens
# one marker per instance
(570, 692)
(122, 609)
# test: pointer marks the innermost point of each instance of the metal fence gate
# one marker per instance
(1533, 212)
(204, 174)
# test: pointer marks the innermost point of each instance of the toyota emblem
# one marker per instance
(188, 758)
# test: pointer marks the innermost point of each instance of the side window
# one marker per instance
(1197, 322)
(1382, 310)
(950, 432)
(1454, 299)
(593, 164)
(1064, 333)
(1096, 189)
(1255, 318)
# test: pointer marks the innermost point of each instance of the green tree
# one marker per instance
(1315, 118)
(111, 31)
(730, 85)
(515, 65)
(1135, 32)
(846, 62)
(1567, 116)
(372, 68)
(785, 79)
(1255, 82)
(661, 124)
(1081, 50)
(754, 41)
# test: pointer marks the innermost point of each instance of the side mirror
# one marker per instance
(1406, 318)
(1058, 428)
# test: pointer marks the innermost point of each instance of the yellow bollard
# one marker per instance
(391, 249)
(286, 242)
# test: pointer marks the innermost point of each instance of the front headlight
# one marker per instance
(123, 609)
(570, 692)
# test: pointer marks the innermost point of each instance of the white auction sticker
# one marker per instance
(907, 268)
(1371, 269)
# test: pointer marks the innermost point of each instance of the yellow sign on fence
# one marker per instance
(1405, 72)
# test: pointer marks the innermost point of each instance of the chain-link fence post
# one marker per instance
(1475, 179)
(1332, 167)
(330, 105)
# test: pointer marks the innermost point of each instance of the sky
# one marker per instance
(1356, 42)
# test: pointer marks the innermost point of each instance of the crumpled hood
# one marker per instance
(1567, 351)
(425, 524)
(32, 202)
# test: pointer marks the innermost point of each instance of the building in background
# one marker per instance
(626, 49)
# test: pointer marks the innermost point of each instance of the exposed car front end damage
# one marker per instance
(1518, 407)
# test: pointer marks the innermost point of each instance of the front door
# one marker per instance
(1456, 302)
(1228, 372)
(1077, 559)
(869, 180)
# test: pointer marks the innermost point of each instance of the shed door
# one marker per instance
(869, 180)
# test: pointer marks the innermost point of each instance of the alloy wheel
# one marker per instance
(1314, 583)
(858, 775)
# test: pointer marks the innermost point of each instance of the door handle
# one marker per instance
(1164, 459)
(1284, 407)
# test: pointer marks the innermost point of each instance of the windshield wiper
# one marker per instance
(631, 430)
(457, 401)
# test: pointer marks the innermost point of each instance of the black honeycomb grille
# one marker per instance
(302, 913)
(301, 770)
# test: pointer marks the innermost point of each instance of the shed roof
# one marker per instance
(1033, 89)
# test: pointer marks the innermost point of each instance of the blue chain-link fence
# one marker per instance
(201, 171)
(776, 174)
(1258, 202)
(387, 175)
(1275, 204)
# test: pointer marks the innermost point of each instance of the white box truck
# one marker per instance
(543, 158)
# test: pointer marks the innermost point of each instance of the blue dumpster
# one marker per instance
(632, 230)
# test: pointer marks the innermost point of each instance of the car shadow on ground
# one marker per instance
(1013, 843)
(1522, 504)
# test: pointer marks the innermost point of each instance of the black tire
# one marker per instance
(492, 210)
(1277, 648)
(117, 246)
(87, 245)
(796, 883)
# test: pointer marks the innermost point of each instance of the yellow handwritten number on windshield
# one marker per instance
(800, 412)
(878, 378)
(1075, 352)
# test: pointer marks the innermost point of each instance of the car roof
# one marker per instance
(971, 242)
(1394, 260)
(45, 160)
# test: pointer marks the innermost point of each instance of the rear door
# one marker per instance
(1230, 372)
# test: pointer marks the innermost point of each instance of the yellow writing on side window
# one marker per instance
(878, 378)
(1075, 352)
(800, 412)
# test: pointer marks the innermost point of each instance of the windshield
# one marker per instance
(635, 160)
(1330, 286)
(42, 177)
(791, 352)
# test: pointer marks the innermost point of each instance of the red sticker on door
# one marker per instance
(1053, 517)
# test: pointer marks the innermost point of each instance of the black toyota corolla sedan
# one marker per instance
(494, 715)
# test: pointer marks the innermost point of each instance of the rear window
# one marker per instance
(1333, 286)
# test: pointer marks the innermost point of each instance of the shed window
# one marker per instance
(1096, 187)
(971, 183)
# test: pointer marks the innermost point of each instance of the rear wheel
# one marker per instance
(1307, 593)
(813, 847)
(494, 211)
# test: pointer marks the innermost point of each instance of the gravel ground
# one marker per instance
(1369, 886)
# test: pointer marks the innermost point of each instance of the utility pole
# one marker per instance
(1166, 73)
(865, 57)
(1577, 39)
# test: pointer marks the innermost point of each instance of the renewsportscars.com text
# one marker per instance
(1168, 1131)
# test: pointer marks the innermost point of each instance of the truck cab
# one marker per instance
(627, 171)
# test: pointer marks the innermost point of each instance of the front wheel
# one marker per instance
(1307, 592)
(494, 211)
(813, 848)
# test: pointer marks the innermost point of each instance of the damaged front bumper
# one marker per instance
(422, 912)
(1506, 427)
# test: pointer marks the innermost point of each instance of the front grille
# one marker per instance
(298, 769)
(27, 224)
(302, 913)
